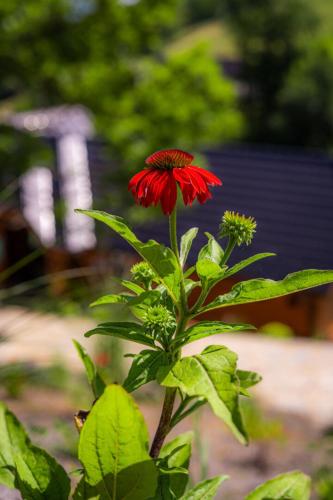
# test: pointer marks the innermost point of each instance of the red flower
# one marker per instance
(166, 169)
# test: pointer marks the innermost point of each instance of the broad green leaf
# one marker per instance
(113, 448)
(174, 461)
(247, 262)
(209, 273)
(207, 328)
(40, 477)
(30, 469)
(210, 375)
(161, 259)
(95, 380)
(205, 490)
(247, 379)
(186, 243)
(289, 486)
(144, 368)
(134, 287)
(212, 250)
(123, 330)
(137, 303)
(265, 289)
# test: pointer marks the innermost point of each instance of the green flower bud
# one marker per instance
(159, 321)
(238, 227)
(142, 273)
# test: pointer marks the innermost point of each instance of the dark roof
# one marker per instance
(289, 194)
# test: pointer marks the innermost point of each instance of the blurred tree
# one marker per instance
(108, 55)
(200, 10)
(307, 98)
(271, 35)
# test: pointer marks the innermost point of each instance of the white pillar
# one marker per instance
(75, 188)
(37, 202)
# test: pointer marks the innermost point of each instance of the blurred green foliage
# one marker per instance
(258, 425)
(307, 98)
(110, 56)
(271, 36)
(277, 329)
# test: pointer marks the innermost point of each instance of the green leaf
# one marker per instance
(144, 368)
(137, 303)
(113, 448)
(205, 490)
(174, 461)
(289, 486)
(209, 273)
(247, 262)
(134, 287)
(265, 289)
(30, 469)
(247, 379)
(212, 250)
(207, 328)
(161, 259)
(211, 375)
(186, 243)
(94, 379)
(123, 330)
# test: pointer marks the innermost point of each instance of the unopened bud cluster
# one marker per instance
(142, 273)
(159, 322)
(237, 227)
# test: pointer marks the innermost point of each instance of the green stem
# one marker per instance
(164, 425)
(231, 245)
(173, 233)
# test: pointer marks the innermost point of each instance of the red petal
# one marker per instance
(186, 186)
(210, 178)
(133, 183)
(203, 197)
(169, 158)
(169, 195)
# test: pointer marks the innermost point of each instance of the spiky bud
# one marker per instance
(238, 227)
(142, 273)
(159, 322)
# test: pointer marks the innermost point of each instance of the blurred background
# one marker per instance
(88, 89)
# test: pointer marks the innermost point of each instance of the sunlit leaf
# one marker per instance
(247, 262)
(263, 289)
(205, 490)
(207, 328)
(247, 379)
(30, 469)
(186, 243)
(174, 461)
(290, 486)
(123, 330)
(94, 378)
(144, 368)
(113, 448)
(212, 250)
(161, 259)
(211, 375)
(137, 303)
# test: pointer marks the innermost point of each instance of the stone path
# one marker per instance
(297, 374)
